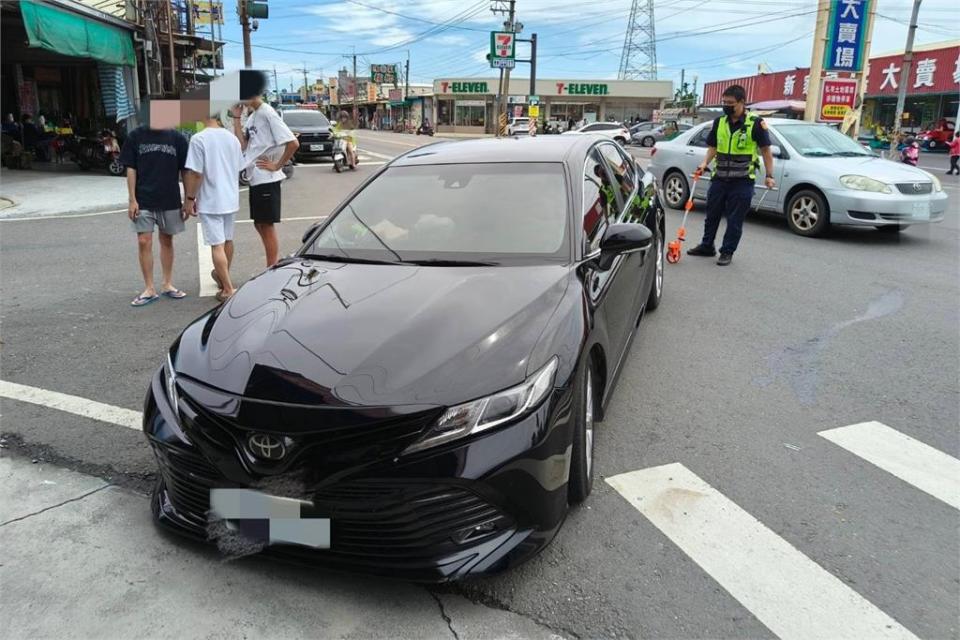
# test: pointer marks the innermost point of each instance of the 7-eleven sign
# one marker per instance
(502, 48)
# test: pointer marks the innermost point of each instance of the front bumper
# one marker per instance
(848, 207)
(314, 148)
(462, 510)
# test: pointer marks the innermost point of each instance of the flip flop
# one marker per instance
(174, 294)
(216, 278)
(142, 301)
(221, 297)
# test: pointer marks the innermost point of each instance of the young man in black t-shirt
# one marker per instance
(155, 156)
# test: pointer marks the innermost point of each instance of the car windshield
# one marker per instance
(820, 141)
(490, 213)
(305, 119)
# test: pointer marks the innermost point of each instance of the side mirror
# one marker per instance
(623, 238)
(309, 232)
(776, 150)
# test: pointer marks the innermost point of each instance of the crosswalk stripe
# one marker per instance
(788, 592)
(382, 156)
(72, 404)
(919, 464)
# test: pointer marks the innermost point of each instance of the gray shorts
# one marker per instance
(169, 222)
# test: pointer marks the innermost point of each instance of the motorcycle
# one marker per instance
(340, 154)
(425, 129)
(287, 172)
(97, 152)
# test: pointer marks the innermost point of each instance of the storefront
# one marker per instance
(932, 89)
(466, 105)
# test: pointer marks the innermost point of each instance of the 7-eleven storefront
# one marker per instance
(466, 105)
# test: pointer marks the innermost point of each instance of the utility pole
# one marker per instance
(511, 27)
(306, 88)
(406, 84)
(276, 85)
(533, 64)
(905, 74)
(355, 87)
(245, 27)
(820, 36)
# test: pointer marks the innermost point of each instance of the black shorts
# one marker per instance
(265, 202)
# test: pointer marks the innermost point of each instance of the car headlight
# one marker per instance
(936, 182)
(486, 413)
(170, 383)
(863, 183)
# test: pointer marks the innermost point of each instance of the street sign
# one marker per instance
(383, 73)
(837, 97)
(534, 110)
(846, 35)
(503, 46)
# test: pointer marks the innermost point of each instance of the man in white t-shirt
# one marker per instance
(267, 146)
(214, 162)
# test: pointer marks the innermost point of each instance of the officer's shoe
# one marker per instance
(702, 250)
(725, 259)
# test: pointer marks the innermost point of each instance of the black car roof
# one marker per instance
(518, 149)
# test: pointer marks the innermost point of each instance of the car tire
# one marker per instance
(807, 213)
(675, 189)
(648, 141)
(932, 144)
(892, 229)
(656, 287)
(621, 141)
(580, 482)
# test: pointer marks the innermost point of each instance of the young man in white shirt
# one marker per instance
(214, 161)
(267, 145)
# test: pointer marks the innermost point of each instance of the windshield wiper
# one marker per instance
(851, 154)
(436, 262)
(332, 257)
(818, 154)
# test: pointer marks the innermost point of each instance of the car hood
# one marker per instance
(374, 335)
(876, 168)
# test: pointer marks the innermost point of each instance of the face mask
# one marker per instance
(728, 110)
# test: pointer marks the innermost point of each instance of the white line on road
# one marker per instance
(386, 141)
(788, 592)
(919, 464)
(72, 404)
(208, 286)
(382, 156)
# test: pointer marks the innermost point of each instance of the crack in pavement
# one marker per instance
(443, 613)
(54, 506)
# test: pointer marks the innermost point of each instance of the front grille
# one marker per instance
(915, 188)
(391, 518)
(314, 137)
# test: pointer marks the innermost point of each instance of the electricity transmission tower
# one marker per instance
(639, 58)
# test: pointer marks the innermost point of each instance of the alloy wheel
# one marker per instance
(674, 190)
(805, 213)
(588, 420)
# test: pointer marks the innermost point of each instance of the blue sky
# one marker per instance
(449, 38)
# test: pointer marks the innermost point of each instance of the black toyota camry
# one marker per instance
(414, 392)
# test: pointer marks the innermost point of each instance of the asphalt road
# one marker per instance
(733, 377)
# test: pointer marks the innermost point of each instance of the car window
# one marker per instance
(591, 127)
(608, 126)
(699, 138)
(305, 119)
(819, 141)
(620, 173)
(595, 203)
(483, 212)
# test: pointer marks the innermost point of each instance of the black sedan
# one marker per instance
(414, 392)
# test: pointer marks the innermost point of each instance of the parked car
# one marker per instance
(421, 380)
(648, 137)
(612, 130)
(313, 132)
(823, 178)
(519, 126)
(938, 136)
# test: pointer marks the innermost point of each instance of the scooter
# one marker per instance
(98, 152)
(340, 161)
(425, 129)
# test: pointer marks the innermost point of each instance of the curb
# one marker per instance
(7, 213)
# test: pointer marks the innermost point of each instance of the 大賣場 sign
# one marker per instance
(837, 96)
(846, 35)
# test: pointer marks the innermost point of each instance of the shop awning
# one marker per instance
(75, 35)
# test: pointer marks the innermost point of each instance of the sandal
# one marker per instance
(174, 294)
(142, 300)
(222, 297)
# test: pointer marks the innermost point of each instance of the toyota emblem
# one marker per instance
(918, 186)
(266, 446)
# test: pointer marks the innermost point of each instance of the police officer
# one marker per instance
(736, 141)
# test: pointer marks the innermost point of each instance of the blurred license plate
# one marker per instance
(317, 147)
(269, 519)
(921, 210)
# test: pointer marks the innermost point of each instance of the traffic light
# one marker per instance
(258, 10)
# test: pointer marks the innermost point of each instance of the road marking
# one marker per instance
(789, 593)
(72, 404)
(928, 469)
(382, 156)
(386, 141)
(208, 286)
